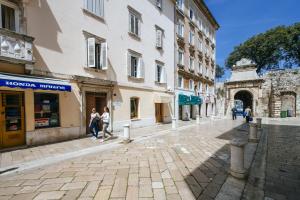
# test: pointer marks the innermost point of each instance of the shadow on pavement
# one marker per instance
(207, 179)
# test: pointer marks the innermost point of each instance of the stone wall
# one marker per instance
(280, 89)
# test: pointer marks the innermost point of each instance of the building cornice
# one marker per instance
(204, 8)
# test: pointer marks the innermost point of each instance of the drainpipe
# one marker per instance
(175, 69)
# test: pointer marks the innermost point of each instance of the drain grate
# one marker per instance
(8, 170)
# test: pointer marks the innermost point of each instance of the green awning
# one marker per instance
(196, 100)
(184, 99)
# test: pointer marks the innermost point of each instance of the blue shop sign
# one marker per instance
(34, 83)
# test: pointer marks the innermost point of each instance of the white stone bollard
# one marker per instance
(253, 132)
(126, 133)
(198, 119)
(174, 123)
(237, 168)
(258, 121)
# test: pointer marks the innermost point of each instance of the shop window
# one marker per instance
(134, 106)
(46, 110)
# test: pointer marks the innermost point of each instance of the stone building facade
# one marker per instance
(275, 94)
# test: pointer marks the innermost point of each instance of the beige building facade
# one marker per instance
(195, 58)
(60, 59)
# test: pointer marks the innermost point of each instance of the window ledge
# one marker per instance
(135, 119)
(100, 18)
(160, 83)
(136, 78)
(135, 36)
(94, 69)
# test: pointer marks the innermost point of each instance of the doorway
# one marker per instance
(159, 112)
(246, 98)
(97, 101)
(12, 126)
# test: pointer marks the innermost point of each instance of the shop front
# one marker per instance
(196, 101)
(28, 104)
(184, 103)
(163, 107)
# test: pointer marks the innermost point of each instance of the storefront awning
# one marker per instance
(196, 100)
(162, 98)
(35, 83)
(184, 99)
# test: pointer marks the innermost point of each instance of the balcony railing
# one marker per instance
(15, 47)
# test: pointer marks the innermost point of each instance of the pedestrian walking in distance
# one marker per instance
(233, 110)
(94, 123)
(248, 114)
(105, 119)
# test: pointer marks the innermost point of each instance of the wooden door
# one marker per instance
(159, 112)
(12, 119)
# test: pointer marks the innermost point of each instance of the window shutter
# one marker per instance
(159, 38)
(156, 73)
(128, 64)
(140, 73)
(163, 75)
(91, 52)
(103, 56)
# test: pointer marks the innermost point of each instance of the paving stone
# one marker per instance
(24, 196)
(157, 185)
(72, 194)
(74, 186)
(50, 187)
(119, 188)
(90, 190)
(159, 194)
(28, 189)
(50, 195)
(9, 190)
(103, 193)
(133, 179)
(57, 180)
(171, 190)
(145, 191)
(132, 193)
(108, 180)
(173, 197)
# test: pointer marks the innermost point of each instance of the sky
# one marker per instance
(241, 19)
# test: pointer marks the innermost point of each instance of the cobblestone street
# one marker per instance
(189, 163)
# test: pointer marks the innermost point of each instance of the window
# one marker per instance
(46, 110)
(135, 67)
(180, 29)
(180, 60)
(191, 63)
(134, 23)
(180, 4)
(206, 89)
(191, 14)
(95, 6)
(159, 38)
(191, 84)
(134, 107)
(199, 45)
(180, 82)
(96, 53)
(200, 87)
(191, 37)
(159, 4)
(9, 16)
(160, 75)
(200, 67)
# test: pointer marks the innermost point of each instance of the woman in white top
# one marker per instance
(94, 123)
(105, 118)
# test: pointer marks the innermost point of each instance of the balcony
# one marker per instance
(15, 47)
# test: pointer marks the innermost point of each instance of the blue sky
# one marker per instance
(241, 19)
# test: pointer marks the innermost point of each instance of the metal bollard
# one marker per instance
(258, 121)
(253, 133)
(174, 123)
(126, 133)
(198, 119)
(237, 168)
